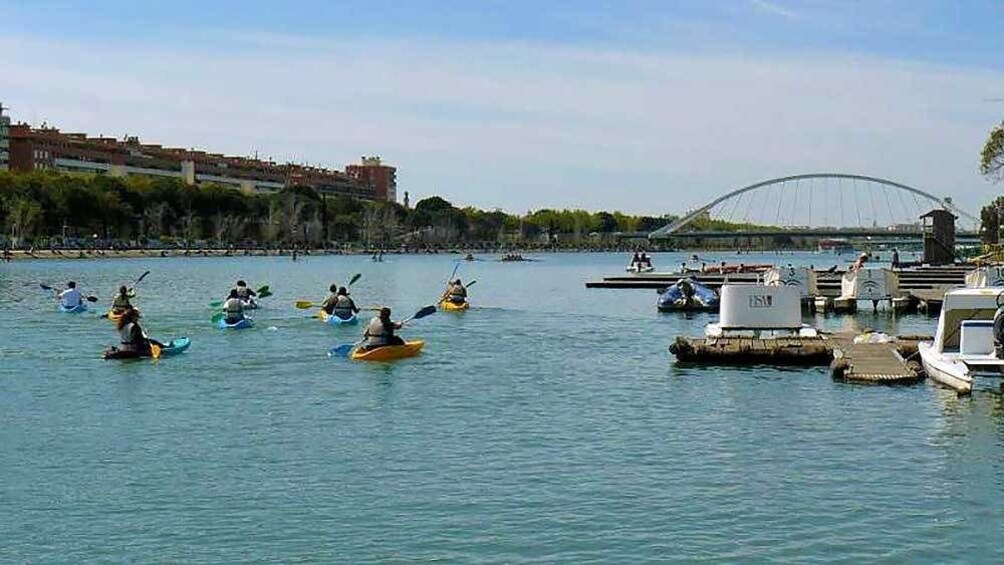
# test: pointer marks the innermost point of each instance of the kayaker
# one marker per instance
(122, 301)
(331, 301)
(380, 331)
(456, 292)
(687, 288)
(345, 307)
(860, 263)
(71, 297)
(132, 338)
(233, 308)
(244, 292)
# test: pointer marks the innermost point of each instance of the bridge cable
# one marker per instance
(794, 205)
(826, 209)
(780, 198)
(902, 204)
(885, 193)
(871, 198)
(840, 196)
(857, 203)
(812, 186)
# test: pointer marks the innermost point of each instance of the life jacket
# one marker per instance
(344, 303)
(128, 337)
(377, 334)
(330, 303)
(234, 309)
(70, 298)
(121, 303)
(457, 293)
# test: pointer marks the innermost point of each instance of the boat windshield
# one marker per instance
(953, 325)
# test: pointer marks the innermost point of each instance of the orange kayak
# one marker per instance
(389, 352)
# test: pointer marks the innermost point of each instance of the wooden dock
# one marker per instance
(878, 363)
(884, 363)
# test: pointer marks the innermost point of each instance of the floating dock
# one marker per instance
(883, 363)
(879, 363)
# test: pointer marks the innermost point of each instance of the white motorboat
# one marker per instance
(963, 346)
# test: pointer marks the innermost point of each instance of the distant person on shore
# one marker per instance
(636, 259)
(71, 297)
(233, 308)
(380, 332)
(895, 258)
(122, 302)
(859, 264)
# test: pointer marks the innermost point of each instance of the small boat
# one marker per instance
(240, 325)
(760, 311)
(963, 346)
(448, 306)
(335, 320)
(674, 298)
(79, 308)
(389, 352)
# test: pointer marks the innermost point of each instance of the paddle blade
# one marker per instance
(304, 304)
(216, 317)
(355, 278)
(216, 304)
(264, 294)
(342, 350)
(45, 286)
(141, 277)
(472, 283)
(92, 298)
(155, 350)
(427, 311)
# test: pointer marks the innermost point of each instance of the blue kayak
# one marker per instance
(335, 320)
(674, 298)
(82, 307)
(244, 323)
(175, 346)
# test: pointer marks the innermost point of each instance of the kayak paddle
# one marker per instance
(345, 349)
(216, 304)
(216, 317)
(263, 292)
(307, 304)
(90, 298)
(155, 351)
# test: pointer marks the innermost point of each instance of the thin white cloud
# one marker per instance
(773, 8)
(520, 126)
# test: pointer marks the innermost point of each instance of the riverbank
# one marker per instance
(113, 253)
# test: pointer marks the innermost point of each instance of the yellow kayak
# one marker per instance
(448, 306)
(389, 352)
(116, 316)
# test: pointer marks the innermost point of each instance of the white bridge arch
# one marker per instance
(679, 224)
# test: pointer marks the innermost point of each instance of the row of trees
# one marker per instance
(51, 206)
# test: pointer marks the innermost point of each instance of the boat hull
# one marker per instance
(950, 373)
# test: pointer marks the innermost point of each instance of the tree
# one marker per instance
(990, 220)
(992, 158)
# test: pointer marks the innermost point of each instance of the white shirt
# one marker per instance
(70, 298)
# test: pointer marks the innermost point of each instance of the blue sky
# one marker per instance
(642, 106)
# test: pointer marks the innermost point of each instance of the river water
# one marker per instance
(547, 425)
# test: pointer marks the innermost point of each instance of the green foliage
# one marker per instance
(53, 205)
(992, 158)
(990, 220)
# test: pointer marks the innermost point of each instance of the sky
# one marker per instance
(644, 106)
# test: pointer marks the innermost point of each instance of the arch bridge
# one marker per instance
(777, 188)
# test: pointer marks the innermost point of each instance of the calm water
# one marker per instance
(548, 425)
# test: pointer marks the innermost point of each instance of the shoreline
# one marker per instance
(19, 255)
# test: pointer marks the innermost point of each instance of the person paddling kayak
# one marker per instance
(456, 292)
(245, 293)
(71, 297)
(122, 301)
(132, 338)
(233, 308)
(339, 303)
(380, 331)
